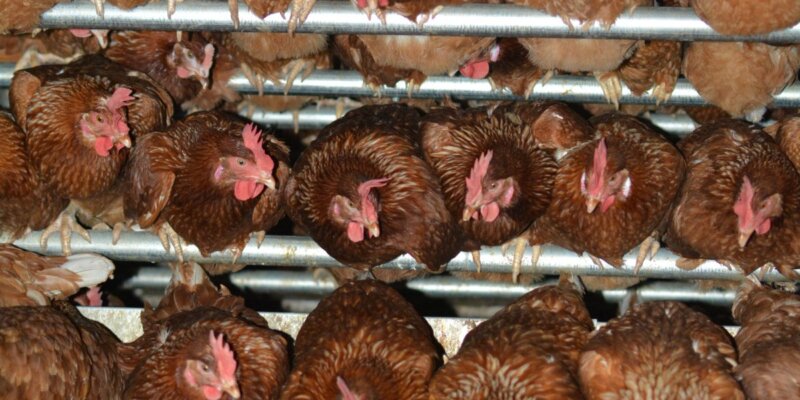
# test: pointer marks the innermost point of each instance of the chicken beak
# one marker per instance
(374, 230)
(591, 204)
(232, 389)
(266, 179)
(125, 141)
(468, 211)
(204, 83)
(744, 237)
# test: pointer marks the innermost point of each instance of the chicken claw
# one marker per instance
(254, 78)
(688, 264)
(611, 85)
(171, 6)
(66, 225)
(660, 93)
(764, 270)
(535, 254)
(519, 251)
(99, 7)
(295, 68)
(168, 237)
(300, 11)
(236, 252)
(597, 261)
(412, 87)
(476, 258)
(260, 235)
(233, 6)
(425, 17)
(647, 249)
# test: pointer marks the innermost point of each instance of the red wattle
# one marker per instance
(475, 69)
(764, 227)
(607, 203)
(355, 232)
(81, 33)
(102, 145)
(246, 190)
(490, 211)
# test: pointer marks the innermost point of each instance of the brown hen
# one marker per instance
(786, 132)
(202, 343)
(210, 178)
(28, 279)
(527, 350)
(180, 65)
(613, 192)
(364, 341)
(747, 17)
(741, 78)
(740, 203)
(660, 350)
(769, 351)
(28, 204)
(364, 193)
(508, 173)
(86, 113)
(602, 57)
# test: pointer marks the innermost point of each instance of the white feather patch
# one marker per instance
(626, 187)
(93, 269)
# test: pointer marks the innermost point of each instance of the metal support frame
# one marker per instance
(336, 17)
(568, 88)
(295, 251)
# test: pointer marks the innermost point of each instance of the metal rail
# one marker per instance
(568, 88)
(300, 283)
(335, 17)
(295, 251)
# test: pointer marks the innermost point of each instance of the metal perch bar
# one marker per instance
(295, 251)
(337, 17)
(568, 88)
(300, 283)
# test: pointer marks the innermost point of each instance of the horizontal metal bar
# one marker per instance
(672, 291)
(295, 251)
(335, 17)
(297, 283)
(301, 283)
(568, 88)
(449, 332)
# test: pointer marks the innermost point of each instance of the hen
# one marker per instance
(767, 341)
(740, 203)
(785, 132)
(387, 59)
(740, 77)
(747, 17)
(612, 193)
(27, 203)
(364, 341)
(602, 57)
(365, 172)
(202, 343)
(28, 279)
(528, 350)
(208, 178)
(496, 177)
(49, 350)
(660, 350)
(181, 65)
(85, 113)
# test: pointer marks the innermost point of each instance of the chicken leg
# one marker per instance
(519, 251)
(647, 249)
(168, 237)
(476, 258)
(611, 85)
(66, 224)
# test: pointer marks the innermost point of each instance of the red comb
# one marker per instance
(479, 170)
(120, 98)
(367, 208)
(252, 140)
(598, 167)
(742, 206)
(226, 363)
(208, 57)
(95, 296)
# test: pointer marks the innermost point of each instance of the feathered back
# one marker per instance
(374, 142)
(529, 349)
(368, 335)
(661, 349)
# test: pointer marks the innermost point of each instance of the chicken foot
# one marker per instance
(169, 237)
(519, 251)
(259, 236)
(293, 69)
(65, 224)
(422, 18)
(611, 85)
(172, 5)
(116, 230)
(99, 7)
(300, 10)
(476, 258)
(648, 250)
(370, 6)
(341, 105)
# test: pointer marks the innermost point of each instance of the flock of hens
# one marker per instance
(136, 130)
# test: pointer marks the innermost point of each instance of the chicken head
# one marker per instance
(600, 185)
(358, 218)
(106, 126)
(248, 176)
(188, 62)
(755, 213)
(214, 371)
(486, 195)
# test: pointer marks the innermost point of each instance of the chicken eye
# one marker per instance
(240, 162)
(205, 367)
(99, 118)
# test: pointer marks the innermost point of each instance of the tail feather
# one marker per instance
(91, 269)
(79, 271)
